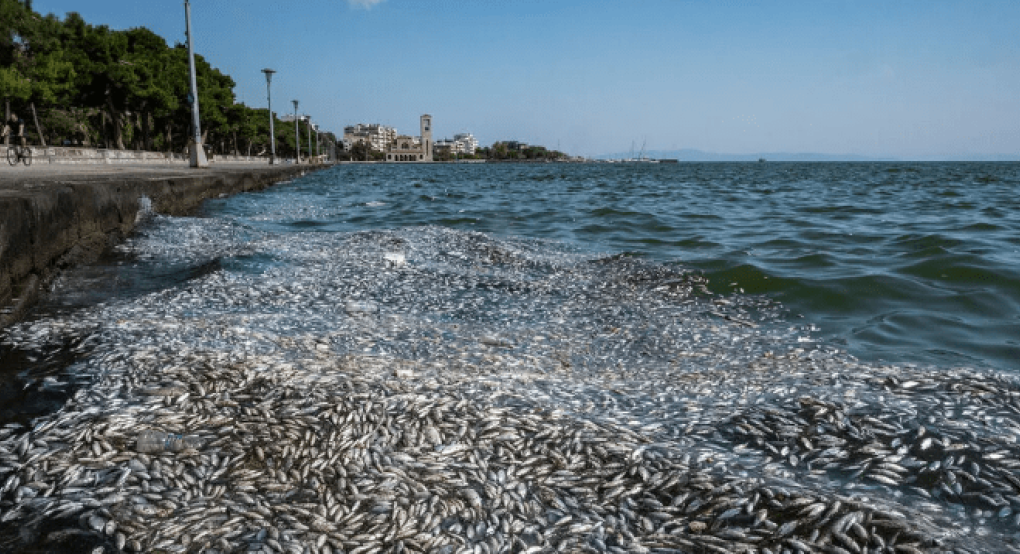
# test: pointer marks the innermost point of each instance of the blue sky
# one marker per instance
(908, 79)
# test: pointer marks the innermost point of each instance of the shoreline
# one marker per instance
(56, 217)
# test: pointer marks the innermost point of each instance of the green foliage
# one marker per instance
(515, 151)
(52, 78)
(361, 152)
(13, 84)
(120, 89)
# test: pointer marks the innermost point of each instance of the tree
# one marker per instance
(14, 85)
(254, 128)
(121, 88)
(499, 151)
(150, 90)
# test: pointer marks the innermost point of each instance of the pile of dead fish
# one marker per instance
(431, 390)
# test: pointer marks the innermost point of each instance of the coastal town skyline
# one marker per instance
(907, 80)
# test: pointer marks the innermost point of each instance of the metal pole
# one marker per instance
(197, 152)
(308, 122)
(269, 100)
(297, 135)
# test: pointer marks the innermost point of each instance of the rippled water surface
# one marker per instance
(895, 262)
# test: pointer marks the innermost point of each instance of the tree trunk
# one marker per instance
(82, 130)
(118, 129)
(38, 129)
(136, 137)
(117, 119)
(106, 128)
(7, 117)
(146, 138)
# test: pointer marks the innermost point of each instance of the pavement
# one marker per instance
(63, 173)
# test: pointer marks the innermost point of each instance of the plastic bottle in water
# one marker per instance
(158, 441)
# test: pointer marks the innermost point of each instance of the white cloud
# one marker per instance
(366, 4)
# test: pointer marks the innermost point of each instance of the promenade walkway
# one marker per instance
(58, 173)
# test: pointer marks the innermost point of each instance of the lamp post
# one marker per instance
(297, 135)
(269, 101)
(197, 152)
(308, 121)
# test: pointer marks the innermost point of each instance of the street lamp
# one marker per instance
(308, 121)
(297, 135)
(197, 152)
(269, 100)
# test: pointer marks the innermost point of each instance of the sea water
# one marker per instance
(891, 261)
(688, 303)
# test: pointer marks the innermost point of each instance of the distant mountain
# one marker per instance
(692, 155)
(975, 158)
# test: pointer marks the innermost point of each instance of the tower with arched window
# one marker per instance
(405, 148)
(426, 136)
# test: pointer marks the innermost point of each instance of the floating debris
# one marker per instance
(395, 259)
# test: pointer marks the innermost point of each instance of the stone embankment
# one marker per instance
(55, 216)
(101, 156)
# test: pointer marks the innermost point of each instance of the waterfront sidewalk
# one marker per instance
(44, 173)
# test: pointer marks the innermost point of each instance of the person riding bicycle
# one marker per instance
(15, 123)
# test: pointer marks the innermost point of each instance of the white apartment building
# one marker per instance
(377, 136)
(468, 143)
(447, 145)
(462, 143)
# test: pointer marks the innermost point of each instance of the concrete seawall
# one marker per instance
(50, 219)
(71, 155)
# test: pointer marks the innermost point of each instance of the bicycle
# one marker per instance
(16, 153)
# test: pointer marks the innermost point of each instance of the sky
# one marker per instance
(893, 78)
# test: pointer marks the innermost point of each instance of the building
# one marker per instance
(468, 143)
(447, 146)
(405, 148)
(377, 137)
(462, 143)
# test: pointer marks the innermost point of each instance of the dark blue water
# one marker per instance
(896, 262)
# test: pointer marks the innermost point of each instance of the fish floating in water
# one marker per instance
(514, 397)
